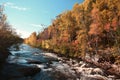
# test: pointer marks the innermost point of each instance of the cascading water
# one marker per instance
(33, 64)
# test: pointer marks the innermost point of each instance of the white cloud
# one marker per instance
(19, 8)
(8, 3)
(12, 5)
(38, 25)
(22, 33)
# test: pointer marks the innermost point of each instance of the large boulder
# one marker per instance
(14, 71)
(29, 71)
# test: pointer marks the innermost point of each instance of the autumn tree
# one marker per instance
(8, 37)
(90, 28)
(7, 34)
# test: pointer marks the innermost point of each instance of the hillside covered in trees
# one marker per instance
(91, 29)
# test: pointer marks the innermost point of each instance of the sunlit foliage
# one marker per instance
(91, 28)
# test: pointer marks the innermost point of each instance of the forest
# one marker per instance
(90, 30)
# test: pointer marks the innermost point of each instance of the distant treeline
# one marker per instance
(91, 28)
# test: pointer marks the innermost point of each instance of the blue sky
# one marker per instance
(26, 16)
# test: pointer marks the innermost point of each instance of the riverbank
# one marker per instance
(109, 69)
(34, 64)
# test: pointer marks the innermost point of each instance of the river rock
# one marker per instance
(29, 71)
(93, 77)
(34, 62)
(15, 71)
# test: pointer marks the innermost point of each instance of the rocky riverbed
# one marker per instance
(33, 64)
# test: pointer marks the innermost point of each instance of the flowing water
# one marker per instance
(29, 63)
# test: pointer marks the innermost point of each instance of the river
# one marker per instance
(29, 63)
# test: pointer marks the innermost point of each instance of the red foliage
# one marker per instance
(94, 14)
(65, 39)
(107, 27)
(114, 24)
(95, 26)
(74, 43)
(94, 29)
